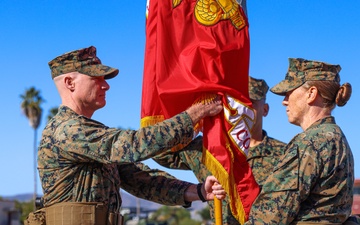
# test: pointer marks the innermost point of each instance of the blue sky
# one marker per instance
(34, 32)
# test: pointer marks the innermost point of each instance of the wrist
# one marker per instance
(199, 192)
(196, 113)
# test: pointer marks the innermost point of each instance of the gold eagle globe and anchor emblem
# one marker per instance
(210, 12)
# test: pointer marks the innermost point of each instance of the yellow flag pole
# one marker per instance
(218, 211)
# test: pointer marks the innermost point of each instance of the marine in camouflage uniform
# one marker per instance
(263, 153)
(313, 182)
(82, 160)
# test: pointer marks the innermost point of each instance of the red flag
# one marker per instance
(195, 49)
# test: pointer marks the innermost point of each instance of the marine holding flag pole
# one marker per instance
(195, 50)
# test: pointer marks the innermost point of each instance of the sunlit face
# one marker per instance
(295, 102)
(90, 91)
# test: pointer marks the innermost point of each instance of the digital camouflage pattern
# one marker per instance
(36, 218)
(261, 158)
(258, 89)
(82, 160)
(83, 61)
(264, 157)
(302, 70)
(313, 181)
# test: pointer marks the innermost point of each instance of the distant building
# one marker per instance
(356, 204)
(9, 215)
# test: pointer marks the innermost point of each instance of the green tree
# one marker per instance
(24, 208)
(205, 214)
(188, 221)
(30, 106)
(173, 216)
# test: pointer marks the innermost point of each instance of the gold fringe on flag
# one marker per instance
(227, 180)
(151, 120)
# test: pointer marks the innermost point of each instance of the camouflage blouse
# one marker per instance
(82, 160)
(313, 181)
(262, 159)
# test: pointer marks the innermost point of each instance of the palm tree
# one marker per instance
(30, 107)
(52, 112)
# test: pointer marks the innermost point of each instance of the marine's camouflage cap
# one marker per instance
(83, 61)
(257, 88)
(302, 70)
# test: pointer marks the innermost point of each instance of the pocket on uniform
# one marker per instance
(285, 176)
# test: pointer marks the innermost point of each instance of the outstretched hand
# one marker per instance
(199, 111)
(213, 108)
